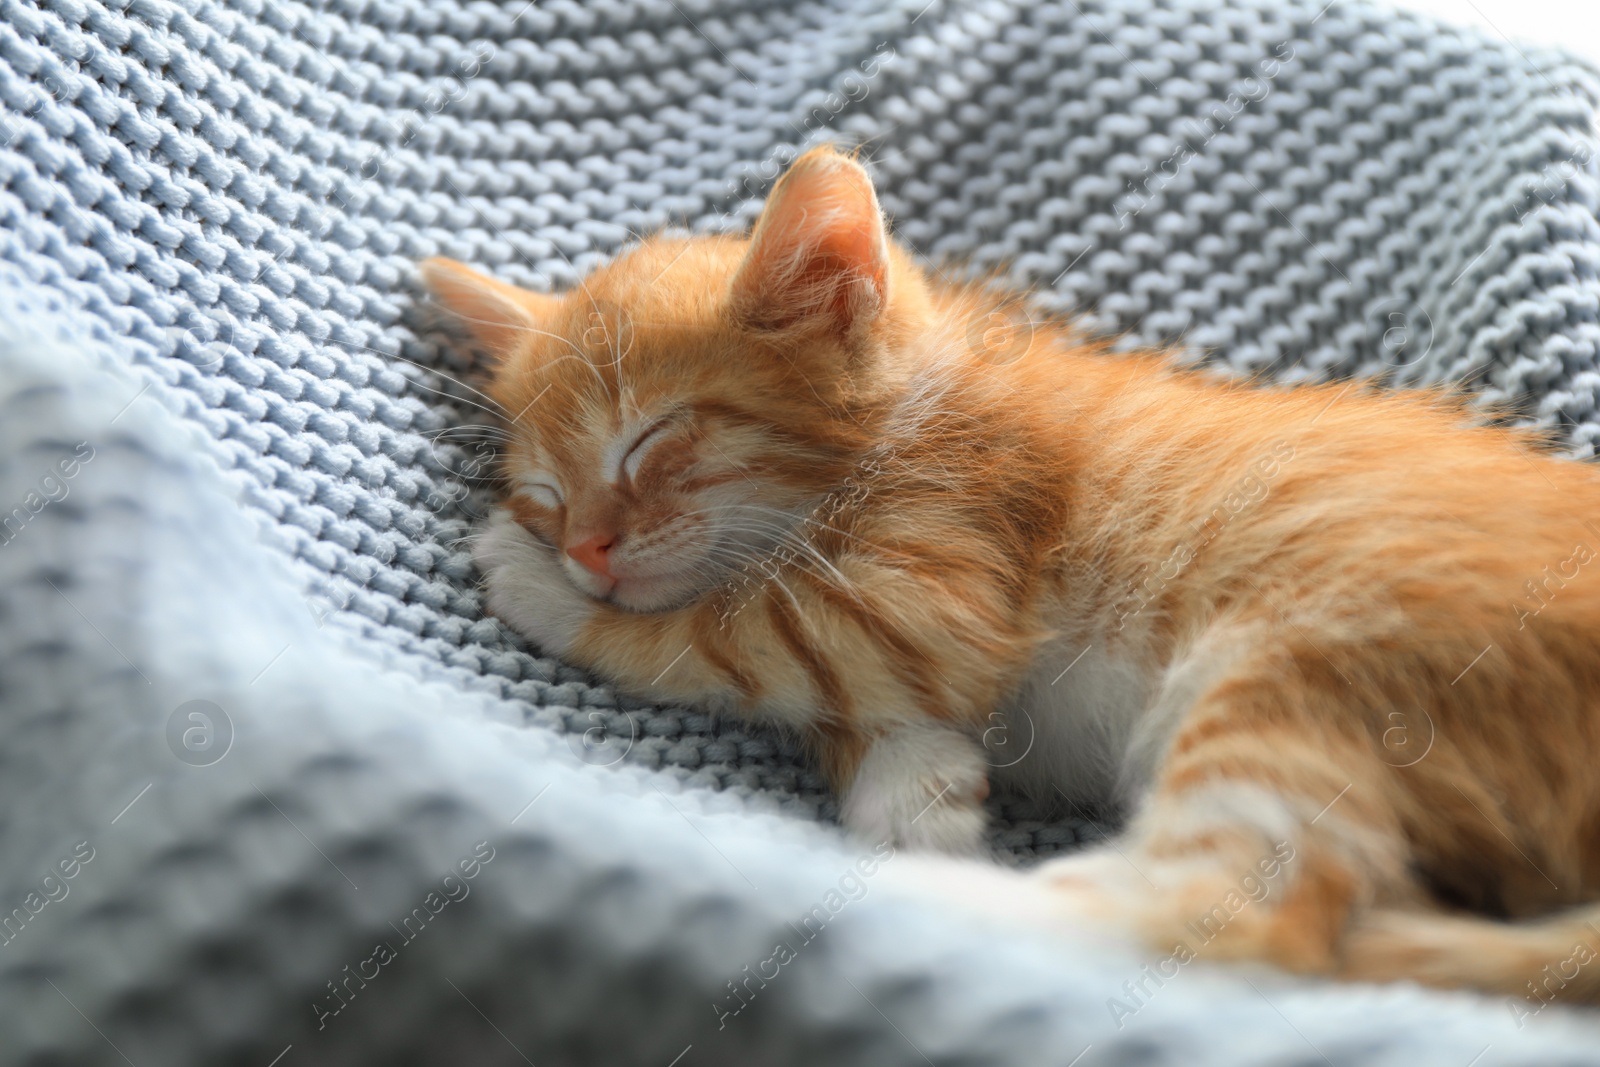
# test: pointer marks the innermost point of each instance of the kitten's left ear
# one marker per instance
(819, 256)
(498, 314)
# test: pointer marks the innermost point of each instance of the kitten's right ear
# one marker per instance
(820, 252)
(498, 314)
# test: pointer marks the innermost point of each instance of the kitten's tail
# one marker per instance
(1554, 959)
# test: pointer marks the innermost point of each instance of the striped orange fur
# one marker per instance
(801, 478)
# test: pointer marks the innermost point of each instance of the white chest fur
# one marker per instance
(1079, 726)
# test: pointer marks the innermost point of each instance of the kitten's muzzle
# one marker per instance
(594, 554)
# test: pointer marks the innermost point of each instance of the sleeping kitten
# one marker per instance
(1334, 652)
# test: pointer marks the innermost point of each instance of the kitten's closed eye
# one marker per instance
(636, 455)
(543, 493)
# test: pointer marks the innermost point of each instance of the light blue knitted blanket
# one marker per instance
(273, 791)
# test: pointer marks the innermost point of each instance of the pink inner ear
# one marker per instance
(818, 251)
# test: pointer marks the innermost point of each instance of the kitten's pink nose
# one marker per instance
(594, 553)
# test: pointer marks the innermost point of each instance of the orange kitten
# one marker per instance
(1334, 652)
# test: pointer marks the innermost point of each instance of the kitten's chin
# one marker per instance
(656, 593)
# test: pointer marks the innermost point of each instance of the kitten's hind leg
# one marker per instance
(1271, 823)
(920, 785)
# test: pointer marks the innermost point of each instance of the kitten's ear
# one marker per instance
(498, 314)
(819, 254)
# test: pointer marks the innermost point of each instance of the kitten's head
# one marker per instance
(689, 404)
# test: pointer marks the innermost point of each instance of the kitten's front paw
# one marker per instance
(921, 788)
(525, 586)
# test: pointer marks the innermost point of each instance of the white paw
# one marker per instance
(1101, 883)
(921, 788)
(1016, 899)
(527, 587)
